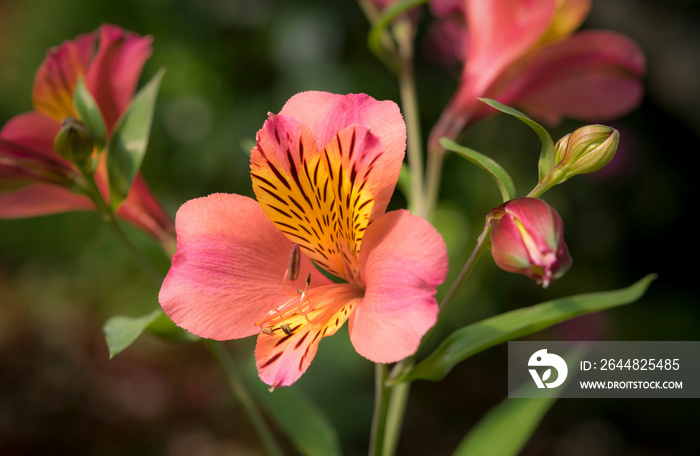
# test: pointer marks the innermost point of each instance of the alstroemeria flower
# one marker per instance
(528, 238)
(35, 179)
(522, 53)
(323, 171)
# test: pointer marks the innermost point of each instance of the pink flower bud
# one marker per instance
(528, 238)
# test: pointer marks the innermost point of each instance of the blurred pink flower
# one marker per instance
(37, 181)
(233, 274)
(528, 238)
(523, 53)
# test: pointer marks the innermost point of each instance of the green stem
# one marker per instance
(481, 246)
(436, 156)
(216, 348)
(540, 189)
(235, 382)
(393, 412)
(382, 394)
(395, 415)
(109, 217)
(404, 33)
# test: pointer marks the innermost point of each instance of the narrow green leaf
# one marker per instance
(506, 428)
(89, 113)
(128, 143)
(515, 417)
(374, 39)
(479, 336)
(299, 418)
(547, 152)
(496, 171)
(121, 331)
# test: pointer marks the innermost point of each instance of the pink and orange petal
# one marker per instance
(323, 171)
(522, 53)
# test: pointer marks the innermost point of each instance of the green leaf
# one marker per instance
(547, 152)
(300, 419)
(89, 114)
(121, 331)
(479, 336)
(128, 143)
(496, 171)
(506, 428)
(516, 417)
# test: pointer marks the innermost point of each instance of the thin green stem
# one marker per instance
(540, 189)
(235, 382)
(216, 348)
(395, 409)
(395, 416)
(436, 156)
(108, 216)
(480, 247)
(382, 394)
(404, 33)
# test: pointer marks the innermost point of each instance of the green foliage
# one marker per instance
(479, 336)
(496, 171)
(506, 428)
(300, 419)
(128, 143)
(121, 331)
(89, 113)
(547, 152)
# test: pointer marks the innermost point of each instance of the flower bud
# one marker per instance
(74, 142)
(585, 150)
(528, 238)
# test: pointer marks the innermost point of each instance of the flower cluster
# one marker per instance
(317, 247)
(34, 178)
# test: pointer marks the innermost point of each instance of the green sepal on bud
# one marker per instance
(585, 150)
(75, 143)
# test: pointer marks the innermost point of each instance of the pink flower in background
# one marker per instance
(323, 172)
(528, 238)
(523, 53)
(37, 181)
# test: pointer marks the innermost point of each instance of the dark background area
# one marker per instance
(229, 63)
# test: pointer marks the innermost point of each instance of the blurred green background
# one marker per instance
(228, 63)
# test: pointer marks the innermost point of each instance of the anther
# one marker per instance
(287, 330)
(294, 263)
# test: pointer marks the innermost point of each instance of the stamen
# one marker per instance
(287, 330)
(302, 310)
(305, 312)
(294, 263)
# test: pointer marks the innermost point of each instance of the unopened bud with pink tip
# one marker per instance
(528, 238)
